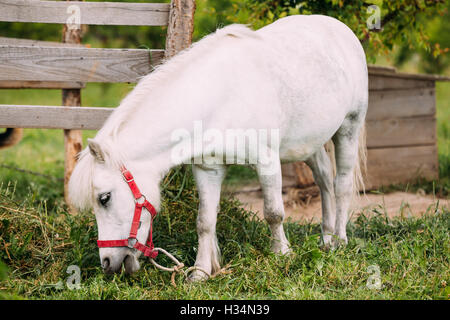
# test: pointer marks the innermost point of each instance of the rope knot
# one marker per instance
(178, 268)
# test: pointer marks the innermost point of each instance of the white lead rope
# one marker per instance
(178, 267)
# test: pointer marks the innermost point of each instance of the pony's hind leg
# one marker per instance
(273, 206)
(322, 169)
(209, 181)
(346, 143)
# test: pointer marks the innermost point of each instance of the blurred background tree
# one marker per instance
(434, 58)
(412, 25)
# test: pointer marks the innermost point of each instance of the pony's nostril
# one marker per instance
(131, 264)
(105, 263)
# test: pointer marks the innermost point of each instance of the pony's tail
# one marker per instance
(10, 137)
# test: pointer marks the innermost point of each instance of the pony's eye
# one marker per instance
(104, 198)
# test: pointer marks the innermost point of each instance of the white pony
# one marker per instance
(303, 76)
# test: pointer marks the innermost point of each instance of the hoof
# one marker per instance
(197, 276)
(331, 242)
(281, 248)
(327, 242)
(326, 247)
(339, 242)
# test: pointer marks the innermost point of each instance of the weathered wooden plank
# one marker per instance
(37, 43)
(40, 85)
(180, 26)
(401, 132)
(52, 117)
(401, 103)
(392, 73)
(380, 69)
(391, 81)
(76, 64)
(95, 13)
(388, 166)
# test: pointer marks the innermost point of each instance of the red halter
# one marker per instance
(140, 202)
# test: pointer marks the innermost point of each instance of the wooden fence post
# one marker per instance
(73, 139)
(180, 27)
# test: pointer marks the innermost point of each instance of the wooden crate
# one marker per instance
(401, 131)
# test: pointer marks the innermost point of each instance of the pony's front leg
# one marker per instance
(209, 181)
(270, 181)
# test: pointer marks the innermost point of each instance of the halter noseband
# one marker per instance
(132, 242)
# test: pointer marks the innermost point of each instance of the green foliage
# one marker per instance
(400, 20)
(210, 15)
(434, 58)
(126, 36)
(404, 23)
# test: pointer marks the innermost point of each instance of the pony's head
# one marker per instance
(97, 183)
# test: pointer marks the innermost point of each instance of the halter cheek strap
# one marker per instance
(140, 202)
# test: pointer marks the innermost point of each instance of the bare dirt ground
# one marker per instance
(394, 204)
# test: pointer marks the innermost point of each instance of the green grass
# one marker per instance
(412, 254)
(39, 240)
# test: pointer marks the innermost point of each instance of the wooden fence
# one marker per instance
(401, 121)
(401, 131)
(39, 64)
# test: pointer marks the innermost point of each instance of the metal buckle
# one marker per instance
(128, 181)
(131, 242)
(142, 197)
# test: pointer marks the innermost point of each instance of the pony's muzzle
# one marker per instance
(113, 263)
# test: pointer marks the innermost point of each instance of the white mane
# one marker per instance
(80, 185)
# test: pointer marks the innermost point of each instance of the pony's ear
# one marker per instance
(96, 150)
